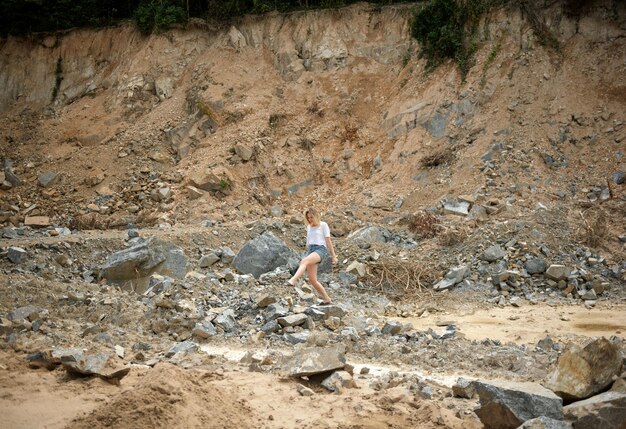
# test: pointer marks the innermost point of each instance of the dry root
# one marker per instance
(595, 227)
(401, 279)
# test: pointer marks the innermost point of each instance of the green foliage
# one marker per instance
(446, 29)
(158, 15)
(490, 59)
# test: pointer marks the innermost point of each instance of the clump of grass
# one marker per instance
(425, 224)
(443, 157)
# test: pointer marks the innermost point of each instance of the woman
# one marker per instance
(318, 245)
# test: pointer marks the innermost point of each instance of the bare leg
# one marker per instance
(311, 271)
(312, 259)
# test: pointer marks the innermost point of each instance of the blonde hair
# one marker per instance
(314, 213)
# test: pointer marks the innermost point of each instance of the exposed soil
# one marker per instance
(332, 109)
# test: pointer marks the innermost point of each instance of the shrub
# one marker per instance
(424, 223)
(157, 15)
(445, 28)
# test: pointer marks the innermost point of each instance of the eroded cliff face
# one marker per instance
(334, 105)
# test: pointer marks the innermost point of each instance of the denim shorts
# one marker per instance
(320, 250)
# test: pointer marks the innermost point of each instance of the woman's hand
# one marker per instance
(334, 260)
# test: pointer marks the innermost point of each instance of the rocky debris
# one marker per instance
(369, 234)
(606, 410)
(143, 259)
(339, 380)
(292, 320)
(217, 179)
(29, 312)
(17, 255)
(304, 391)
(184, 347)
(509, 404)
(48, 179)
(204, 330)
(208, 260)
(535, 266)
(37, 221)
(545, 423)
(583, 372)
(315, 360)
(455, 207)
(557, 272)
(263, 254)
(494, 253)
(463, 388)
(453, 277)
(104, 365)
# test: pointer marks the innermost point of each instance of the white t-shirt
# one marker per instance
(317, 234)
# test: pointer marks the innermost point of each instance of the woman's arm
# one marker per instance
(330, 247)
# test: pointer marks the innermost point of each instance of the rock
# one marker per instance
(163, 88)
(298, 338)
(17, 255)
(392, 327)
(444, 284)
(327, 310)
(535, 266)
(274, 311)
(193, 193)
(226, 320)
(463, 388)
(619, 177)
(292, 320)
(105, 365)
(37, 221)
(208, 260)
(276, 211)
(357, 268)
(557, 272)
(493, 253)
(204, 330)
(509, 404)
(264, 301)
(545, 344)
(606, 410)
(304, 391)
(338, 380)
(184, 347)
(138, 262)
(545, 423)
(456, 207)
(478, 213)
(244, 152)
(270, 327)
(263, 254)
(618, 386)
(11, 178)
(369, 234)
(226, 255)
(584, 372)
(213, 180)
(29, 312)
(315, 360)
(48, 179)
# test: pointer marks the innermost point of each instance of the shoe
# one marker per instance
(322, 303)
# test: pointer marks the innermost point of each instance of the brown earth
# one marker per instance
(330, 108)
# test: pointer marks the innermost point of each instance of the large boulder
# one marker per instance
(139, 262)
(508, 404)
(545, 423)
(583, 372)
(369, 234)
(263, 254)
(606, 410)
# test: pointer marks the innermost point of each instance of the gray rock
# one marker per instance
(557, 272)
(204, 330)
(328, 310)
(619, 177)
(227, 255)
(463, 388)
(276, 211)
(350, 333)
(292, 320)
(479, 213)
(263, 254)
(456, 207)
(138, 262)
(226, 320)
(271, 327)
(274, 311)
(48, 179)
(444, 284)
(535, 266)
(297, 338)
(105, 365)
(265, 300)
(493, 253)
(346, 279)
(509, 404)
(369, 234)
(315, 360)
(583, 372)
(16, 254)
(338, 380)
(315, 313)
(392, 327)
(244, 152)
(184, 347)
(604, 411)
(304, 391)
(29, 312)
(208, 260)
(545, 423)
